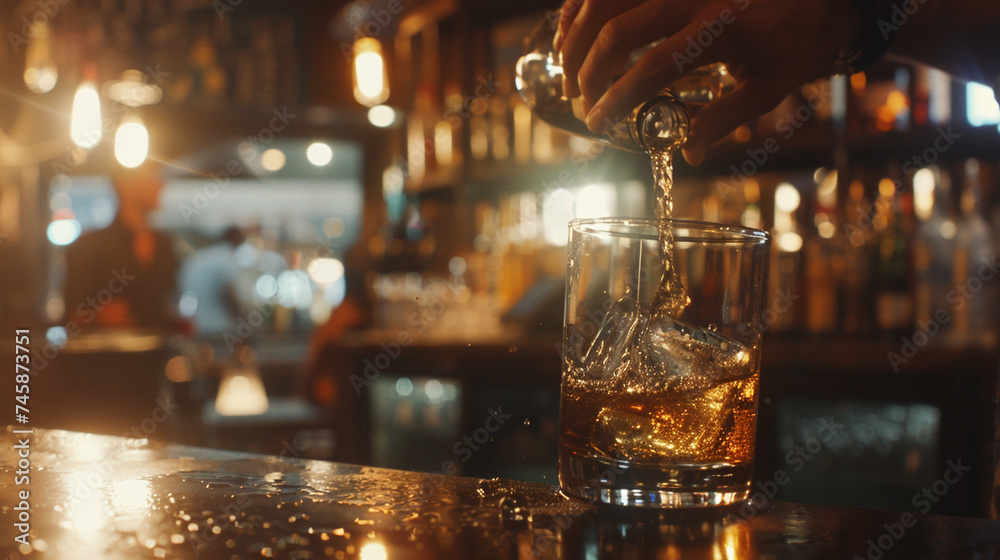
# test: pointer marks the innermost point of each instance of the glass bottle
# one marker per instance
(787, 263)
(934, 243)
(894, 298)
(824, 258)
(974, 292)
(664, 117)
(858, 298)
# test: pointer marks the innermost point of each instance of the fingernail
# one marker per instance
(595, 119)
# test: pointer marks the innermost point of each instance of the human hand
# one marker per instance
(769, 46)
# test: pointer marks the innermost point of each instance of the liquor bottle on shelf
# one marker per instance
(886, 102)
(931, 96)
(933, 246)
(420, 159)
(786, 287)
(824, 258)
(500, 120)
(858, 297)
(751, 216)
(975, 297)
(893, 296)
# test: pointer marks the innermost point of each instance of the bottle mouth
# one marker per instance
(664, 122)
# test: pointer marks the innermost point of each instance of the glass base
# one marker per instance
(616, 482)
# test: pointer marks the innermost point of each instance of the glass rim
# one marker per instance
(698, 231)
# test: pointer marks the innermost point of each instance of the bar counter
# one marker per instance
(110, 497)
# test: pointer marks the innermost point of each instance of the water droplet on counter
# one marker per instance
(275, 477)
(511, 509)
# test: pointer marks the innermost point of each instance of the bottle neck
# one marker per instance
(659, 124)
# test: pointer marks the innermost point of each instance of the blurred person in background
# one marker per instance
(124, 276)
(355, 312)
(325, 378)
(211, 274)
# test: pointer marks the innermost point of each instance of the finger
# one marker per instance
(567, 13)
(656, 70)
(757, 96)
(618, 38)
(580, 36)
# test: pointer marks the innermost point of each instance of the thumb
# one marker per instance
(712, 123)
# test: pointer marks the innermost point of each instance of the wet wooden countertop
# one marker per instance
(100, 497)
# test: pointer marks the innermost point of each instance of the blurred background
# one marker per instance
(362, 233)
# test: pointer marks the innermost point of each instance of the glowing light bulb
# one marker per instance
(370, 87)
(85, 122)
(241, 393)
(131, 143)
(923, 193)
(325, 271)
(381, 116)
(272, 159)
(786, 197)
(319, 154)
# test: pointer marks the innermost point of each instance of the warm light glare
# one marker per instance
(241, 394)
(319, 154)
(896, 102)
(40, 72)
(382, 116)
(369, 68)
(786, 198)
(178, 369)
(85, 122)
(370, 87)
(948, 229)
(443, 143)
(131, 144)
(789, 242)
(416, 153)
(272, 159)
(373, 551)
(594, 201)
(41, 79)
(886, 188)
(923, 193)
(131, 496)
(826, 191)
(858, 81)
(325, 271)
(557, 211)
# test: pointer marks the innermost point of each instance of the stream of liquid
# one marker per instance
(670, 299)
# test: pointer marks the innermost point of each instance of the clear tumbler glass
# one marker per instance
(660, 411)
